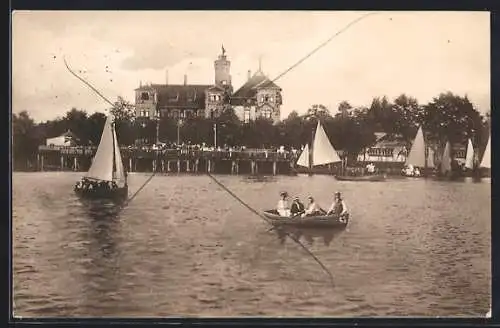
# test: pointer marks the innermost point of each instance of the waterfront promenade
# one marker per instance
(135, 159)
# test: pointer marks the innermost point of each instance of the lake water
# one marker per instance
(185, 247)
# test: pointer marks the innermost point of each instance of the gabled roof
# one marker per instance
(388, 140)
(250, 88)
(216, 88)
(179, 95)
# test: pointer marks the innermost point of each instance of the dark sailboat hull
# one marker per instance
(118, 194)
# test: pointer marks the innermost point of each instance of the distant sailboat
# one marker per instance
(106, 169)
(430, 158)
(321, 153)
(469, 157)
(417, 152)
(486, 161)
(304, 157)
(446, 160)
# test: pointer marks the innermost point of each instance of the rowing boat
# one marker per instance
(315, 221)
(376, 177)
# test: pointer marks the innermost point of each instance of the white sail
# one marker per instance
(304, 157)
(469, 157)
(102, 164)
(119, 174)
(417, 152)
(430, 158)
(486, 161)
(446, 161)
(323, 151)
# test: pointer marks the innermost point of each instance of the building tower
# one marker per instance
(222, 72)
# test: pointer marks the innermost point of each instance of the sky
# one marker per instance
(420, 54)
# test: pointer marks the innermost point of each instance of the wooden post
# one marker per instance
(41, 162)
(209, 164)
(275, 169)
(75, 163)
(135, 165)
(256, 167)
(130, 168)
(62, 162)
(237, 167)
(178, 166)
(168, 166)
(196, 163)
(163, 165)
(233, 167)
(154, 165)
(187, 165)
(252, 167)
(38, 161)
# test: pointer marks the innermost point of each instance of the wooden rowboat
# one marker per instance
(316, 221)
(376, 177)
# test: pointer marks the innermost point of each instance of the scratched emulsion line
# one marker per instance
(325, 269)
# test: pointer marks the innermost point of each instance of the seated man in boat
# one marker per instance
(283, 208)
(297, 207)
(312, 208)
(338, 206)
(416, 172)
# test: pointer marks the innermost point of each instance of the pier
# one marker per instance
(54, 158)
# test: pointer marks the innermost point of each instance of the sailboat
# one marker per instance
(321, 153)
(469, 157)
(486, 161)
(106, 177)
(445, 168)
(417, 157)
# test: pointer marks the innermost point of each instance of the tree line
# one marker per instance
(447, 117)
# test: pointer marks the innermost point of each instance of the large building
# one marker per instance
(258, 97)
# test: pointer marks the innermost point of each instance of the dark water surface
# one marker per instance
(184, 247)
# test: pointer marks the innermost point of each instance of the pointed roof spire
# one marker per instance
(223, 50)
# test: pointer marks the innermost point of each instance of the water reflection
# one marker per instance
(309, 235)
(101, 267)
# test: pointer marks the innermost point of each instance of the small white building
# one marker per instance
(387, 148)
(66, 139)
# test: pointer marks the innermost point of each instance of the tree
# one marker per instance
(344, 108)
(449, 117)
(25, 140)
(407, 116)
(75, 121)
(318, 111)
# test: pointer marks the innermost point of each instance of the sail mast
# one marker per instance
(114, 146)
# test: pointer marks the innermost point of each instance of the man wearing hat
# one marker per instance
(283, 208)
(338, 207)
(297, 207)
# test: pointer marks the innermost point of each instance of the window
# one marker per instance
(146, 113)
(246, 115)
(381, 152)
(267, 113)
(224, 82)
(144, 96)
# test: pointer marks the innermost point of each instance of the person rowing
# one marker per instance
(313, 208)
(297, 207)
(338, 206)
(283, 208)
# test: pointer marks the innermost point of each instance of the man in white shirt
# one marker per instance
(283, 207)
(312, 208)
